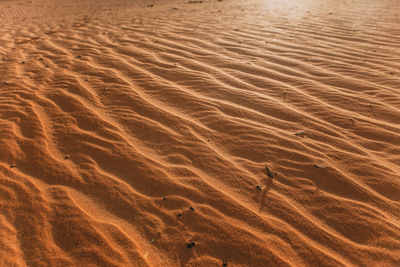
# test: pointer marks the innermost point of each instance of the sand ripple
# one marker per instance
(115, 118)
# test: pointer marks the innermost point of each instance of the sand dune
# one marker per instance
(265, 132)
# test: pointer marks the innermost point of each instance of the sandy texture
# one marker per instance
(266, 132)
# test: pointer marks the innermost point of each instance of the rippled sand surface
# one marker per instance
(265, 132)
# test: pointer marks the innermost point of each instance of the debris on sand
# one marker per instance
(319, 166)
(300, 133)
(190, 245)
(269, 173)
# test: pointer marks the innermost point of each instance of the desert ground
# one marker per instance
(200, 133)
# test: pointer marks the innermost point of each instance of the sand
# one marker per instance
(214, 133)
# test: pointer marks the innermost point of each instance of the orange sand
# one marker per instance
(108, 107)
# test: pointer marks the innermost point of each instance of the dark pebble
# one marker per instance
(190, 245)
(269, 173)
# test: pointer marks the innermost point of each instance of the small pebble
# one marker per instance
(164, 198)
(191, 208)
(106, 89)
(259, 187)
(269, 173)
(319, 166)
(67, 157)
(301, 133)
(179, 214)
(12, 166)
(190, 245)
